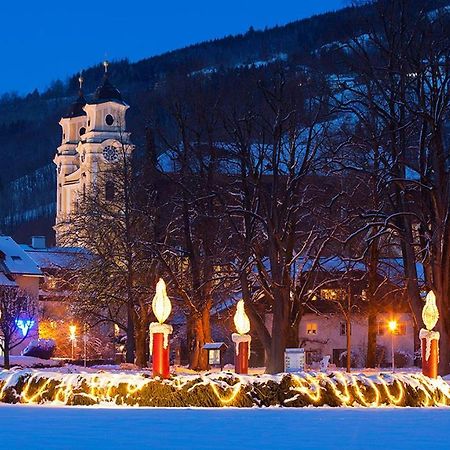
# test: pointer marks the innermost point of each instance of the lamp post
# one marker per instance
(429, 339)
(85, 339)
(73, 337)
(241, 339)
(392, 325)
(160, 331)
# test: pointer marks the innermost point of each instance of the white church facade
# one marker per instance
(94, 136)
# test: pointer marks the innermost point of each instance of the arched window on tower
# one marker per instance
(109, 191)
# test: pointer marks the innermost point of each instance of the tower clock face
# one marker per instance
(110, 153)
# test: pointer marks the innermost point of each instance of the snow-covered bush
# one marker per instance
(40, 348)
(403, 359)
(223, 389)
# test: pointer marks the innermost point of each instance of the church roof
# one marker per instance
(76, 108)
(107, 92)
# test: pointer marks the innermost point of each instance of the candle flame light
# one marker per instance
(161, 304)
(430, 312)
(241, 320)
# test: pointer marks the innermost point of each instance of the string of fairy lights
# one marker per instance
(346, 389)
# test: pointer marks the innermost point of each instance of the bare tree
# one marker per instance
(116, 283)
(17, 310)
(402, 75)
(276, 195)
(194, 252)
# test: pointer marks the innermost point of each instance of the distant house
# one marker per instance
(18, 269)
(323, 332)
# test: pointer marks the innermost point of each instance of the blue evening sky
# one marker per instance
(48, 39)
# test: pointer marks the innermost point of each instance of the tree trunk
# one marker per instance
(199, 334)
(280, 330)
(443, 326)
(130, 336)
(349, 343)
(141, 345)
(444, 348)
(6, 363)
(293, 340)
(371, 360)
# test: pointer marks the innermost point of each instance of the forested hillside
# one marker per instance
(29, 130)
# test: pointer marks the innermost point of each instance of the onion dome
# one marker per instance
(76, 108)
(107, 92)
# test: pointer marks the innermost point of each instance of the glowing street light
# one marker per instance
(73, 337)
(392, 325)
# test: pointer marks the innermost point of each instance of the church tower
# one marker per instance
(94, 136)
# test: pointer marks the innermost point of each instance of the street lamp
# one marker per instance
(392, 325)
(73, 337)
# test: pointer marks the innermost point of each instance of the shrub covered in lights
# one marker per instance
(223, 389)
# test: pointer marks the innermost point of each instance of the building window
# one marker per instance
(311, 328)
(312, 356)
(109, 119)
(82, 131)
(333, 294)
(109, 191)
(343, 329)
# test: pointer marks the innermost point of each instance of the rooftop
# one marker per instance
(15, 260)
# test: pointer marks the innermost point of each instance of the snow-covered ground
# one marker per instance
(31, 427)
(29, 361)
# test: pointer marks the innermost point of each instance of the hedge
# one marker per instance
(222, 389)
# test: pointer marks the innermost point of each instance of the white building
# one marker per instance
(93, 137)
(326, 335)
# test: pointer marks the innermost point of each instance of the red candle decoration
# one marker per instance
(429, 338)
(241, 339)
(159, 332)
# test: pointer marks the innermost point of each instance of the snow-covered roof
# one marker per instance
(5, 281)
(214, 345)
(15, 260)
(67, 258)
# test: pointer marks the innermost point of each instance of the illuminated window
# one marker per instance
(333, 294)
(311, 328)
